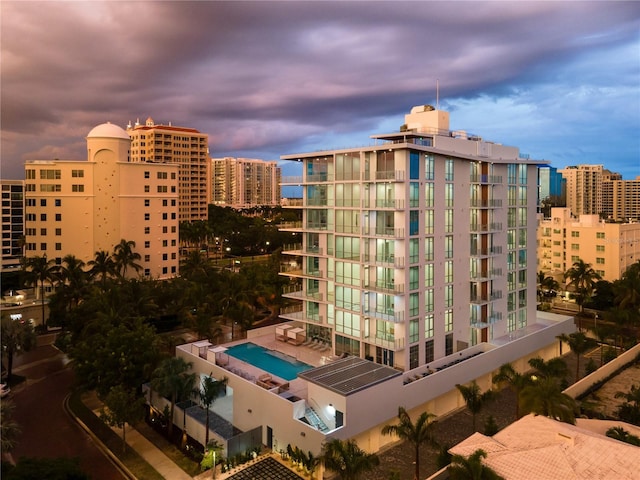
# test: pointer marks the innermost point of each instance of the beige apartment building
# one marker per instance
(81, 207)
(621, 198)
(185, 147)
(244, 182)
(563, 239)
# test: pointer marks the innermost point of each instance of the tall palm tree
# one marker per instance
(73, 279)
(347, 459)
(209, 390)
(579, 344)
(9, 429)
(40, 270)
(102, 267)
(582, 277)
(544, 397)
(627, 288)
(125, 257)
(172, 380)
(471, 467)
(474, 398)
(418, 433)
(546, 282)
(515, 380)
(554, 368)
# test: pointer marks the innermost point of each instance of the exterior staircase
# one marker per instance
(313, 419)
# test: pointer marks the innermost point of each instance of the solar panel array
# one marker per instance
(349, 375)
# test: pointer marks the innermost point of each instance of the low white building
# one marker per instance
(347, 397)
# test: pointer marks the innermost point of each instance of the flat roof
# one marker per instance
(349, 375)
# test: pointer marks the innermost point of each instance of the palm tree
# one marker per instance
(102, 267)
(471, 467)
(474, 398)
(73, 279)
(627, 289)
(544, 397)
(417, 433)
(9, 429)
(16, 338)
(172, 380)
(629, 411)
(579, 344)
(516, 381)
(209, 390)
(583, 278)
(546, 282)
(554, 368)
(39, 269)
(347, 459)
(124, 257)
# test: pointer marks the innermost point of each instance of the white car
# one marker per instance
(5, 390)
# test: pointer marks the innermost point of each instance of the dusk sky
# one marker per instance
(559, 80)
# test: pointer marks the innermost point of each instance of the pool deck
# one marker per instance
(303, 353)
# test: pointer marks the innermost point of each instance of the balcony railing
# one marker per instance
(485, 227)
(485, 179)
(393, 203)
(478, 203)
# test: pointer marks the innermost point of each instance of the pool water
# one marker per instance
(275, 363)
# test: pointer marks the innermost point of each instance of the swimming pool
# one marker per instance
(275, 363)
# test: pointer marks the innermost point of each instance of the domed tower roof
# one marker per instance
(108, 130)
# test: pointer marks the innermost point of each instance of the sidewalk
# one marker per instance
(147, 450)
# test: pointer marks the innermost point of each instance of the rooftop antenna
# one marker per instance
(437, 94)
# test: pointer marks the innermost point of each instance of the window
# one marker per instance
(600, 235)
(448, 320)
(58, 246)
(77, 188)
(429, 351)
(50, 188)
(165, 256)
(448, 344)
(162, 189)
(448, 296)
(448, 194)
(428, 300)
(414, 331)
(428, 275)
(43, 232)
(147, 202)
(429, 165)
(164, 229)
(448, 170)
(428, 249)
(575, 246)
(448, 271)
(43, 246)
(428, 222)
(162, 175)
(147, 244)
(413, 222)
(31, 202)
(58, 217)
(173, 175)
(147, 230)
(448, 220)
(173, 216)
(43, 217)
(164, 243)
(448, 246)
(146, 189)
(575, 234)
(43, 202)
(50, 174)
(600, 260)
(147, 258)
(414, 165)
(428, 325)
(58, 202)
(77, 173)
(413, 356)
(147, 272)
(599, 248)
(30, 174)
(164, 216)
(147, 216)
(164, 202)
(58, 232)
(414, 304)
(146, 174)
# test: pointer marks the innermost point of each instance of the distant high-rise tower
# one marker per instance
(584, 189)
(551, 183)
(81, 207)
(12, 223)
(243, 182)
(186, 147)
(417, 247)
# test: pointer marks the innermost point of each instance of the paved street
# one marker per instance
(47, 430)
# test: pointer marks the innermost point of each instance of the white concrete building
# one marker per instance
(80, 207)
(418, 247)
(416, 272)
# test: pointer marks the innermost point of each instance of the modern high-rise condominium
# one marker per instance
(244, 182)
(185, 147)
(563, 239)
(12, 223)
(417, 247)
(584, 188)
(81, 207)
